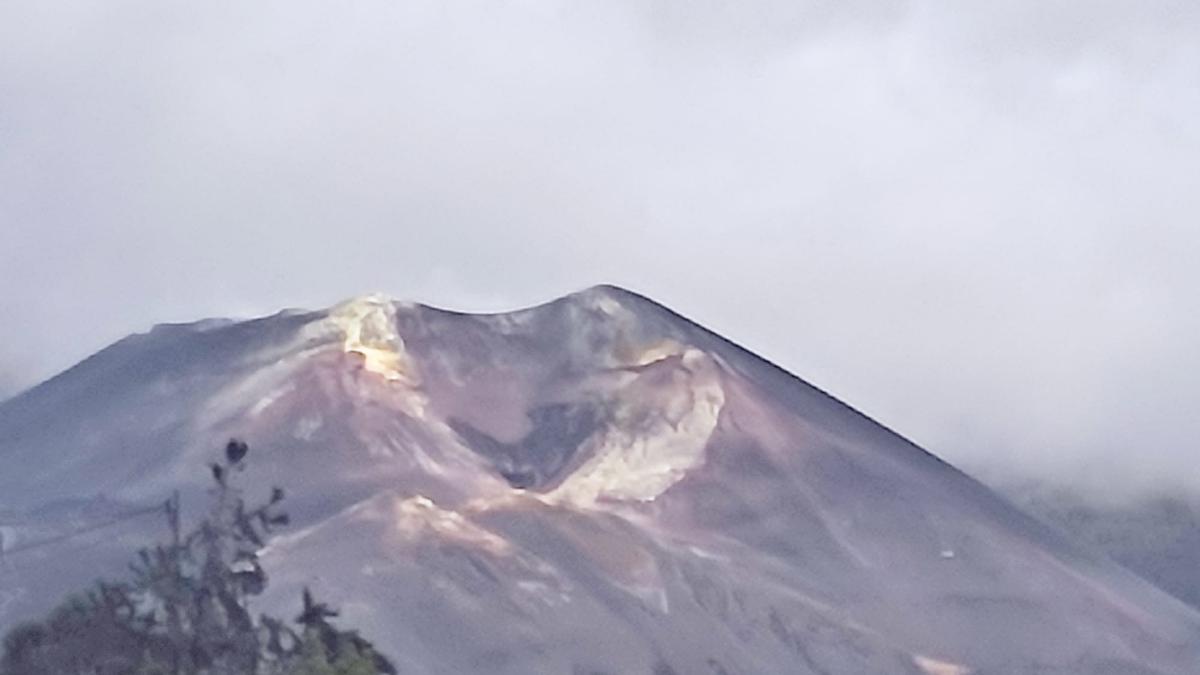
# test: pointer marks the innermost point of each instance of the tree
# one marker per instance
(184, 609)
(325, 650)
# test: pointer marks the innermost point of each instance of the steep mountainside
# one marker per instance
(595, 485)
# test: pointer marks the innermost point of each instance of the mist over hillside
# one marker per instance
(1156, 537)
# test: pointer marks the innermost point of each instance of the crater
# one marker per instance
(543, 456)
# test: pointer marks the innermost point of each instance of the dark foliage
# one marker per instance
(183, 610)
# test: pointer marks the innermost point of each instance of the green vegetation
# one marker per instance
(183, 611)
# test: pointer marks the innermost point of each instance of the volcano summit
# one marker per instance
(594, 485)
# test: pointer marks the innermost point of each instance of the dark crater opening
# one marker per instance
(536, 461)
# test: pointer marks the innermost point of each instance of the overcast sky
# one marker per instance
(977, 221)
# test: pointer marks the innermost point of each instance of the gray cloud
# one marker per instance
(975, 222)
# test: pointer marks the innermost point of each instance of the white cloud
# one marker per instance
(975, 222)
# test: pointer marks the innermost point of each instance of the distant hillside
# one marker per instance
(1159, 538)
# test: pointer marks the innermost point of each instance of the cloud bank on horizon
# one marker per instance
(975, 223)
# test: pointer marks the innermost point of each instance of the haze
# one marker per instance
(976, 223)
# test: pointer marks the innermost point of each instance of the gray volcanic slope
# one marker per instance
(595, 485)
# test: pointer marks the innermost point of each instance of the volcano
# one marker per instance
(594, 485)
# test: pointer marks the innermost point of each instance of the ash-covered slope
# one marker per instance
(595, 485)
